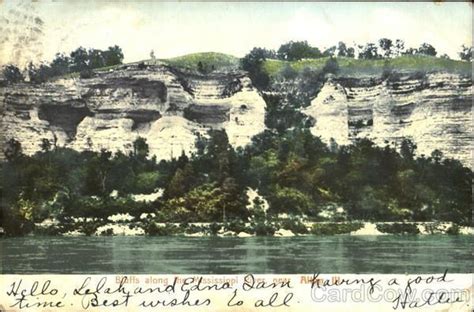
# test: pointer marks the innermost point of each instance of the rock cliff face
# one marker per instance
(111, 110)
(170, 108)
(433, 110)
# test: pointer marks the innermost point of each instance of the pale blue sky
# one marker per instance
(176, 28)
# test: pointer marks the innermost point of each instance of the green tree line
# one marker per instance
(80, 60)
(297, 173)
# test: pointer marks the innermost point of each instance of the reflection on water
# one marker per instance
(207, 255)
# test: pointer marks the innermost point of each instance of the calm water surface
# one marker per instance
(262, 255)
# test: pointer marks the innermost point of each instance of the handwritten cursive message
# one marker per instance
(232, 293)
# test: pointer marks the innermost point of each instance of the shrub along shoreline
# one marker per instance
(237, 228)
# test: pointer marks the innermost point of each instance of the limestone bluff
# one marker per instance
(433, 110)
(170, 108)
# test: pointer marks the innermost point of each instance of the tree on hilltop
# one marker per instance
(386, 45)
(427, 49)
(12, 74)
(368, 52)
(297, 50)
(466, 53)
(253, 63)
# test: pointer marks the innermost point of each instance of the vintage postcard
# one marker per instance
(236, 156)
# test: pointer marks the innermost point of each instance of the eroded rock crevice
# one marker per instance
(66, 117)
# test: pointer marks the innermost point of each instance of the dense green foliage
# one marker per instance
(294, 171)
(78, 61)
(398, 228)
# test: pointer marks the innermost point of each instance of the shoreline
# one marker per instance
(275, 229)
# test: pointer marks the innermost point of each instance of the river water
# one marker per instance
(227, 255)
